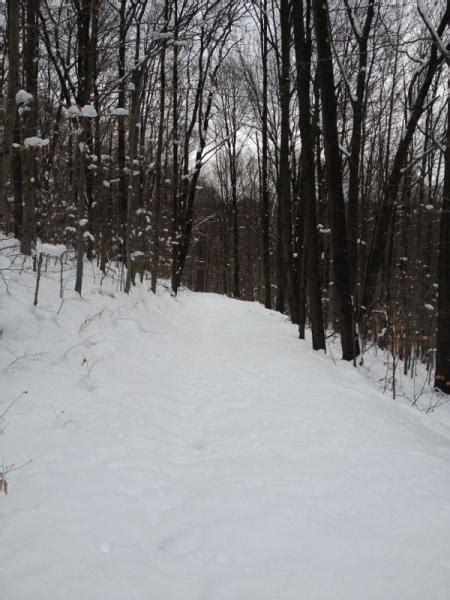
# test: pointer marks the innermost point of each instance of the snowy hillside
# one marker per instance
(195, 449)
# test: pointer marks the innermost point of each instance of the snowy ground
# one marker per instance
(194, 449)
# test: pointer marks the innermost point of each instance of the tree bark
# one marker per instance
(362, 38)
(442, 374)
(29, 126)
(9, 123)
(159, 156)
(333, 166)
(284, 186)
(303, 51)
(265, 209)
(175, 133)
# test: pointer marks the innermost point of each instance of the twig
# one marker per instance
(8, 408)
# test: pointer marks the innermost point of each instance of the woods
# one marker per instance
(294, 153)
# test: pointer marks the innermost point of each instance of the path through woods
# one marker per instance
(209, 455)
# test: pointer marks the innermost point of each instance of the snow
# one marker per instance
(195, 449)
(88, 111)
(87, 235)
(119, 112)
(51, 249)
(23, 98)
(161, 35)
(35, 142)
(343, 149)
(73, 111)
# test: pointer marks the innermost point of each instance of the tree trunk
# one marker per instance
(284, 186)
(86, 72)
(234, 207)
(29, 126)
(356, 139)
(341, 271)
(265, 209)
(175, 133)
(442, 375)
(159, 155)
(303, 50)
(9, 123)
(121, 129)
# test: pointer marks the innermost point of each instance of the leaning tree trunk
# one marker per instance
(375, 267)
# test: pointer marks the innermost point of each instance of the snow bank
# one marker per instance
(50, 249)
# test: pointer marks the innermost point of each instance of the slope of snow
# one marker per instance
(194, 449)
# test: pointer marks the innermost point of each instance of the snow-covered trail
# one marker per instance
(210, 455)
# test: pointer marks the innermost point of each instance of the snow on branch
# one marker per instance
(87, 111)
(23, 98)
(35, 142)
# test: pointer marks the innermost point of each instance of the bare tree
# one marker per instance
(303, 52)
(9, 117)
(333, 166)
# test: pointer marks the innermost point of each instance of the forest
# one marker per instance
(294, 153)
(224, 299)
